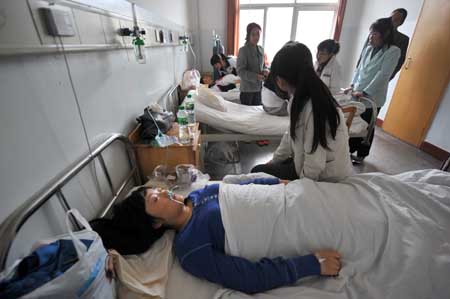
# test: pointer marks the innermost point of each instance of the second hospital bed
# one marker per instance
(251, 123)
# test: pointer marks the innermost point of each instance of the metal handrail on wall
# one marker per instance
(13, 223)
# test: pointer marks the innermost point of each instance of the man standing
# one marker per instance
(401, 40)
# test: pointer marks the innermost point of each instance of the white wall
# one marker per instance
(350, 40)
(40, 128)
(212, 16)
(176, 11)
(438, 134)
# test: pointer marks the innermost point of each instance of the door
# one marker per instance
(424, 77)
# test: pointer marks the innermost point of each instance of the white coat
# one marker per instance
(331, 165)
(331, 75)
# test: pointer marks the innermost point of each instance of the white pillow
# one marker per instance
(208, 98)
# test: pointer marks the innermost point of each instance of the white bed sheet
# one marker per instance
(184, 285)
(253, 120)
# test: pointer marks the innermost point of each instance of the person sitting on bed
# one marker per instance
(224, 65)
(316, 143)
(200, 240)
(274, 100)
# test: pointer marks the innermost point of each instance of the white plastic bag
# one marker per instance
(191, 79)
(86, 278)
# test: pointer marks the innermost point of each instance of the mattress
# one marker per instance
(253, 120)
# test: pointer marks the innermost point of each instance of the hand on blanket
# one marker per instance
(330, 262)
(284, 182)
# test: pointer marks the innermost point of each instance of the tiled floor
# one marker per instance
(388, 155)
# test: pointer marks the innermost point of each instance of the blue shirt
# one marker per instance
(200, 249)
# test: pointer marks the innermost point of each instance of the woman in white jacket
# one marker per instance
(316, 143)
(327, 66)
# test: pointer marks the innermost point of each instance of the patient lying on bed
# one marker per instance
(224, 84)
(200, 242)
(259, 235)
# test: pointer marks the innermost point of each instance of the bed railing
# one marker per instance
(12, 224)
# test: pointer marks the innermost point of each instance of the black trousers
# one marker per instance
(250, 98)
(356, 144)
(284, 170)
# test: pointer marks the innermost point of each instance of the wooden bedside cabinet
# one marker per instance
(148, 157)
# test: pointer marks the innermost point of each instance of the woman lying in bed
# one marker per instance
(392, 232)
(200, 240)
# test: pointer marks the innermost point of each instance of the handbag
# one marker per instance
(150, 121)
(86, 278)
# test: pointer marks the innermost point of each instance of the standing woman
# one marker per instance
(327, 66)
(251, 67)
(316, 143)
(378, 61)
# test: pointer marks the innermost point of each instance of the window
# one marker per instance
(313, 27)
(306, 21)
(248, 16)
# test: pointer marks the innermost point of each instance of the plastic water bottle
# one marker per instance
(183, 131)
(189, 102)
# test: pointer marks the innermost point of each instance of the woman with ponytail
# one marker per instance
(316, 144)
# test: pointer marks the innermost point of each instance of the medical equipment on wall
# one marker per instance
(217, 50)
(185, 42)
(217, 44)
(138, 40)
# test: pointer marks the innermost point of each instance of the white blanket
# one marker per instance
(393, 233)
(253, 120)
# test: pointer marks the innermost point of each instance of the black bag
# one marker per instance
(149, 130)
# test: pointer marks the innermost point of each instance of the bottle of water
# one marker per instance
(183, 133)
(189, 102)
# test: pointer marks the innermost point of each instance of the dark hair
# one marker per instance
(404, 13)
(130, 230)
(329, 45)
(250, 27)
(272, 85)
(386, 29)
(216, 58)
(294, 64)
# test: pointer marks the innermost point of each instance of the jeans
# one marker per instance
(356, 144)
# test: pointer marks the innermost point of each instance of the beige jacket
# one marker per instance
(323, 165)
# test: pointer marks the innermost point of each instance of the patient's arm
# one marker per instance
(249, 277)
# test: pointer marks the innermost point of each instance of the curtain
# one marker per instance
(339, 19)
(232, 27)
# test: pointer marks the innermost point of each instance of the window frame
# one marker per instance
(296, 8)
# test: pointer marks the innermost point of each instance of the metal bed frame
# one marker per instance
(13, 223)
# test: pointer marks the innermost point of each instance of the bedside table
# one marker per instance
(148, 157)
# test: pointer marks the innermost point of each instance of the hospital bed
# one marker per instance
(252, 123)
(180, 284)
